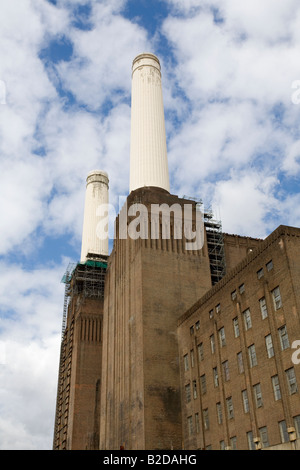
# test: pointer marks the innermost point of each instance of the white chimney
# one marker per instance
(148, 151)
(94, 236)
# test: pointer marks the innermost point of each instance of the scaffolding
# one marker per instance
(215, 246)
(85, 279)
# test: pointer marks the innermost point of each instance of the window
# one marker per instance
(211, 314)
(197, 325)
(283, 431)
(236, 328)
(250, 440)
(233, 443)
(203, 384)
(229, 404)
(258, 395)
(276, 298)
(225, 366)
(222, 337)
(218, 308)
(192, 330)
(297, 425)
(233, 295)
(194, 389)
(192, 358)
(240, 362)
(186, 362)
(242, 288)
(269, 346)
(212, 343)
(219, 413)
(188, 393)
(205, 419)
(197, 423)
(269, 265)
(190, 425)
(263, 433)
(247, 319)
(276, 387)
(252, 355)
(283, 337)
(216, 376)
(200, 352)
(263, 308)
(291, 380)
(260, 273)
(245, 401)
(222, 445)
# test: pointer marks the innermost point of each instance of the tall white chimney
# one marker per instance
(148, 151)
(94, 236)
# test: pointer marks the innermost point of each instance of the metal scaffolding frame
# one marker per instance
(215, 246)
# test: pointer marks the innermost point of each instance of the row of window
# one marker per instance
(277, 302)
(283, 339)
(191, 389)
(193, 425)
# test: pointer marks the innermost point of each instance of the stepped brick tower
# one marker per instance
(78, 394)
(152, 276)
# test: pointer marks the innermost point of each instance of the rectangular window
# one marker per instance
(283, 337)
(219, 413)
(194, 389)
(233, 443)
(240, 362)
(200, 352)
(225, 366)
(276, 298)
(247, 319)
(216, 376)
(263, 433)
(297, 425)
(260, 273)
(222, 445)
(276, 387)
(212, 343)
(205, 419)
(252, 355)
(218, 308)
(245, 401)
(229, 404)
(190, 425)
(222, 337)
(236, 328)
(269, 346)
(251, 444)
(186, 362)
(283, 431)
(197, 325)
(197, 423)
(192, 358)
(291, 380)
(188, 393)
(242, 288)
(263, 308)
(258, 395)
(203, 384)
(233, 295)
(269, 265)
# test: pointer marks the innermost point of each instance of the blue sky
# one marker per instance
(228, 70)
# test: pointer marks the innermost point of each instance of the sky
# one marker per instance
(231, 88)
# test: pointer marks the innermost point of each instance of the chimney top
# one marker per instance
(146, 58)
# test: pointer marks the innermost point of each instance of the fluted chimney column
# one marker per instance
(94, 238)
(148, 151)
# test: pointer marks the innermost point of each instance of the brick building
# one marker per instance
(165, 347)
(239, 385)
